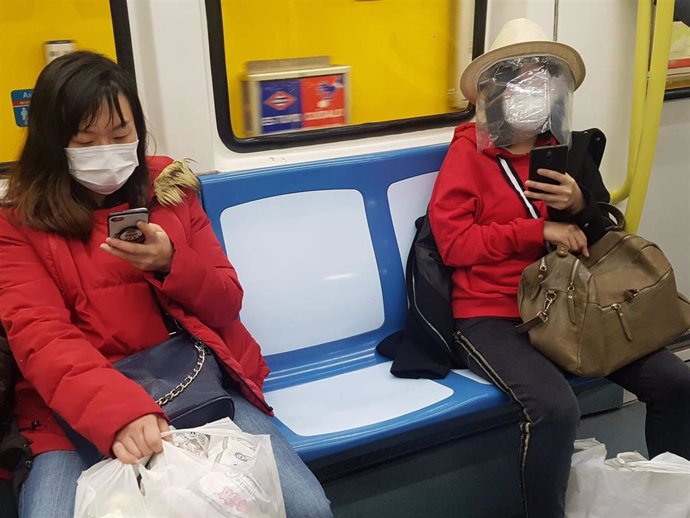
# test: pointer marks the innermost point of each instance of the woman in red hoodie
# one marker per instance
(489, 228)
(73, 300)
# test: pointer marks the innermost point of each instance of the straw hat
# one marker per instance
(520, 38)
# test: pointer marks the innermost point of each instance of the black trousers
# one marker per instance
(7, 505)
(550, 412)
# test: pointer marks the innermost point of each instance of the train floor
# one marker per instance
(431, 485)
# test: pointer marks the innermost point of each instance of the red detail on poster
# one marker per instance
(280, 100)
(679, 63)
(323, 101)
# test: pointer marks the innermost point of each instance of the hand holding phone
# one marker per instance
(565, 193)
(123, 225)
(149, 250)
(547, 157)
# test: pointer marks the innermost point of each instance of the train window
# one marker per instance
(290, 72)
(31, 34)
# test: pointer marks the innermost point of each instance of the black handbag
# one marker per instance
(182, 375)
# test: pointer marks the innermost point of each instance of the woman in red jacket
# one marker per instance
(489, 228)
(73, 300)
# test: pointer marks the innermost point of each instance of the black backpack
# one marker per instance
(425, 347)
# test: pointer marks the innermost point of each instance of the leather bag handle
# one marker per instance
(613, 214)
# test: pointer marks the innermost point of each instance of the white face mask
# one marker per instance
(527, 105)
(103, 169)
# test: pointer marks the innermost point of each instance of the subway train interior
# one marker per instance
(317, 129)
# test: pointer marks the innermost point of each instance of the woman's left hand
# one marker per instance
(155, 254)
(564, 196)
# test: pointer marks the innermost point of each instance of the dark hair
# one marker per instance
(67, 97)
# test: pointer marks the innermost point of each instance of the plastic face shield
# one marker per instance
(523, 97)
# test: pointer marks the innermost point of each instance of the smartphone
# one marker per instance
(123, 224)
(547, 157)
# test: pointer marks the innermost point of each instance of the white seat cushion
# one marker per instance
(352, 400)
(307, 266)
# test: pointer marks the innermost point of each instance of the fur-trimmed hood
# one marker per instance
(170, 184)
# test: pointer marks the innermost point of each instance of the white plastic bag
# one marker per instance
(109, 489)
(626, 486)
(213, 471)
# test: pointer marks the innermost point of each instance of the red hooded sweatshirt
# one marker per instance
(482, 226)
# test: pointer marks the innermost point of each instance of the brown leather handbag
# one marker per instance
(593, 315)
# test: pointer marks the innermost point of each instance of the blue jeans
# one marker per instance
(52, 483)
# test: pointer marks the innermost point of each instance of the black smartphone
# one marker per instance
(123, 224)
(547, 157)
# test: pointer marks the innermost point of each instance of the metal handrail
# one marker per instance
(649, 84)
(653, 106)
(640, 73)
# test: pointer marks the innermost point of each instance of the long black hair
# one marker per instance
(67, 98)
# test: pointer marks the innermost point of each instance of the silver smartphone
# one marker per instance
(123, 224)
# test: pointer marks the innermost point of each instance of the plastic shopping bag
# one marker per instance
(109, 489)
(213, 471)
(626, 486)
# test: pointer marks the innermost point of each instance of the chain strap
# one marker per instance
(200, 358)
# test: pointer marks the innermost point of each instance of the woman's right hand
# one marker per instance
(567, 234)
(140, 438)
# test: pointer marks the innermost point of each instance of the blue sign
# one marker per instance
(281, 105)
(21, 100)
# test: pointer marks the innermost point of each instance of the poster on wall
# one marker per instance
(678, 75)
(324, 101)
(287, 95)
(281, 106)
(21, 101)
(307, 102)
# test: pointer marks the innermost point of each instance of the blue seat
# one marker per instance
(320, 250)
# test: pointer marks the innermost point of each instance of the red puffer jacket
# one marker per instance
(70, 310)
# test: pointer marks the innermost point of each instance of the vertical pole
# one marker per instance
(654, 102)
(643, 36)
